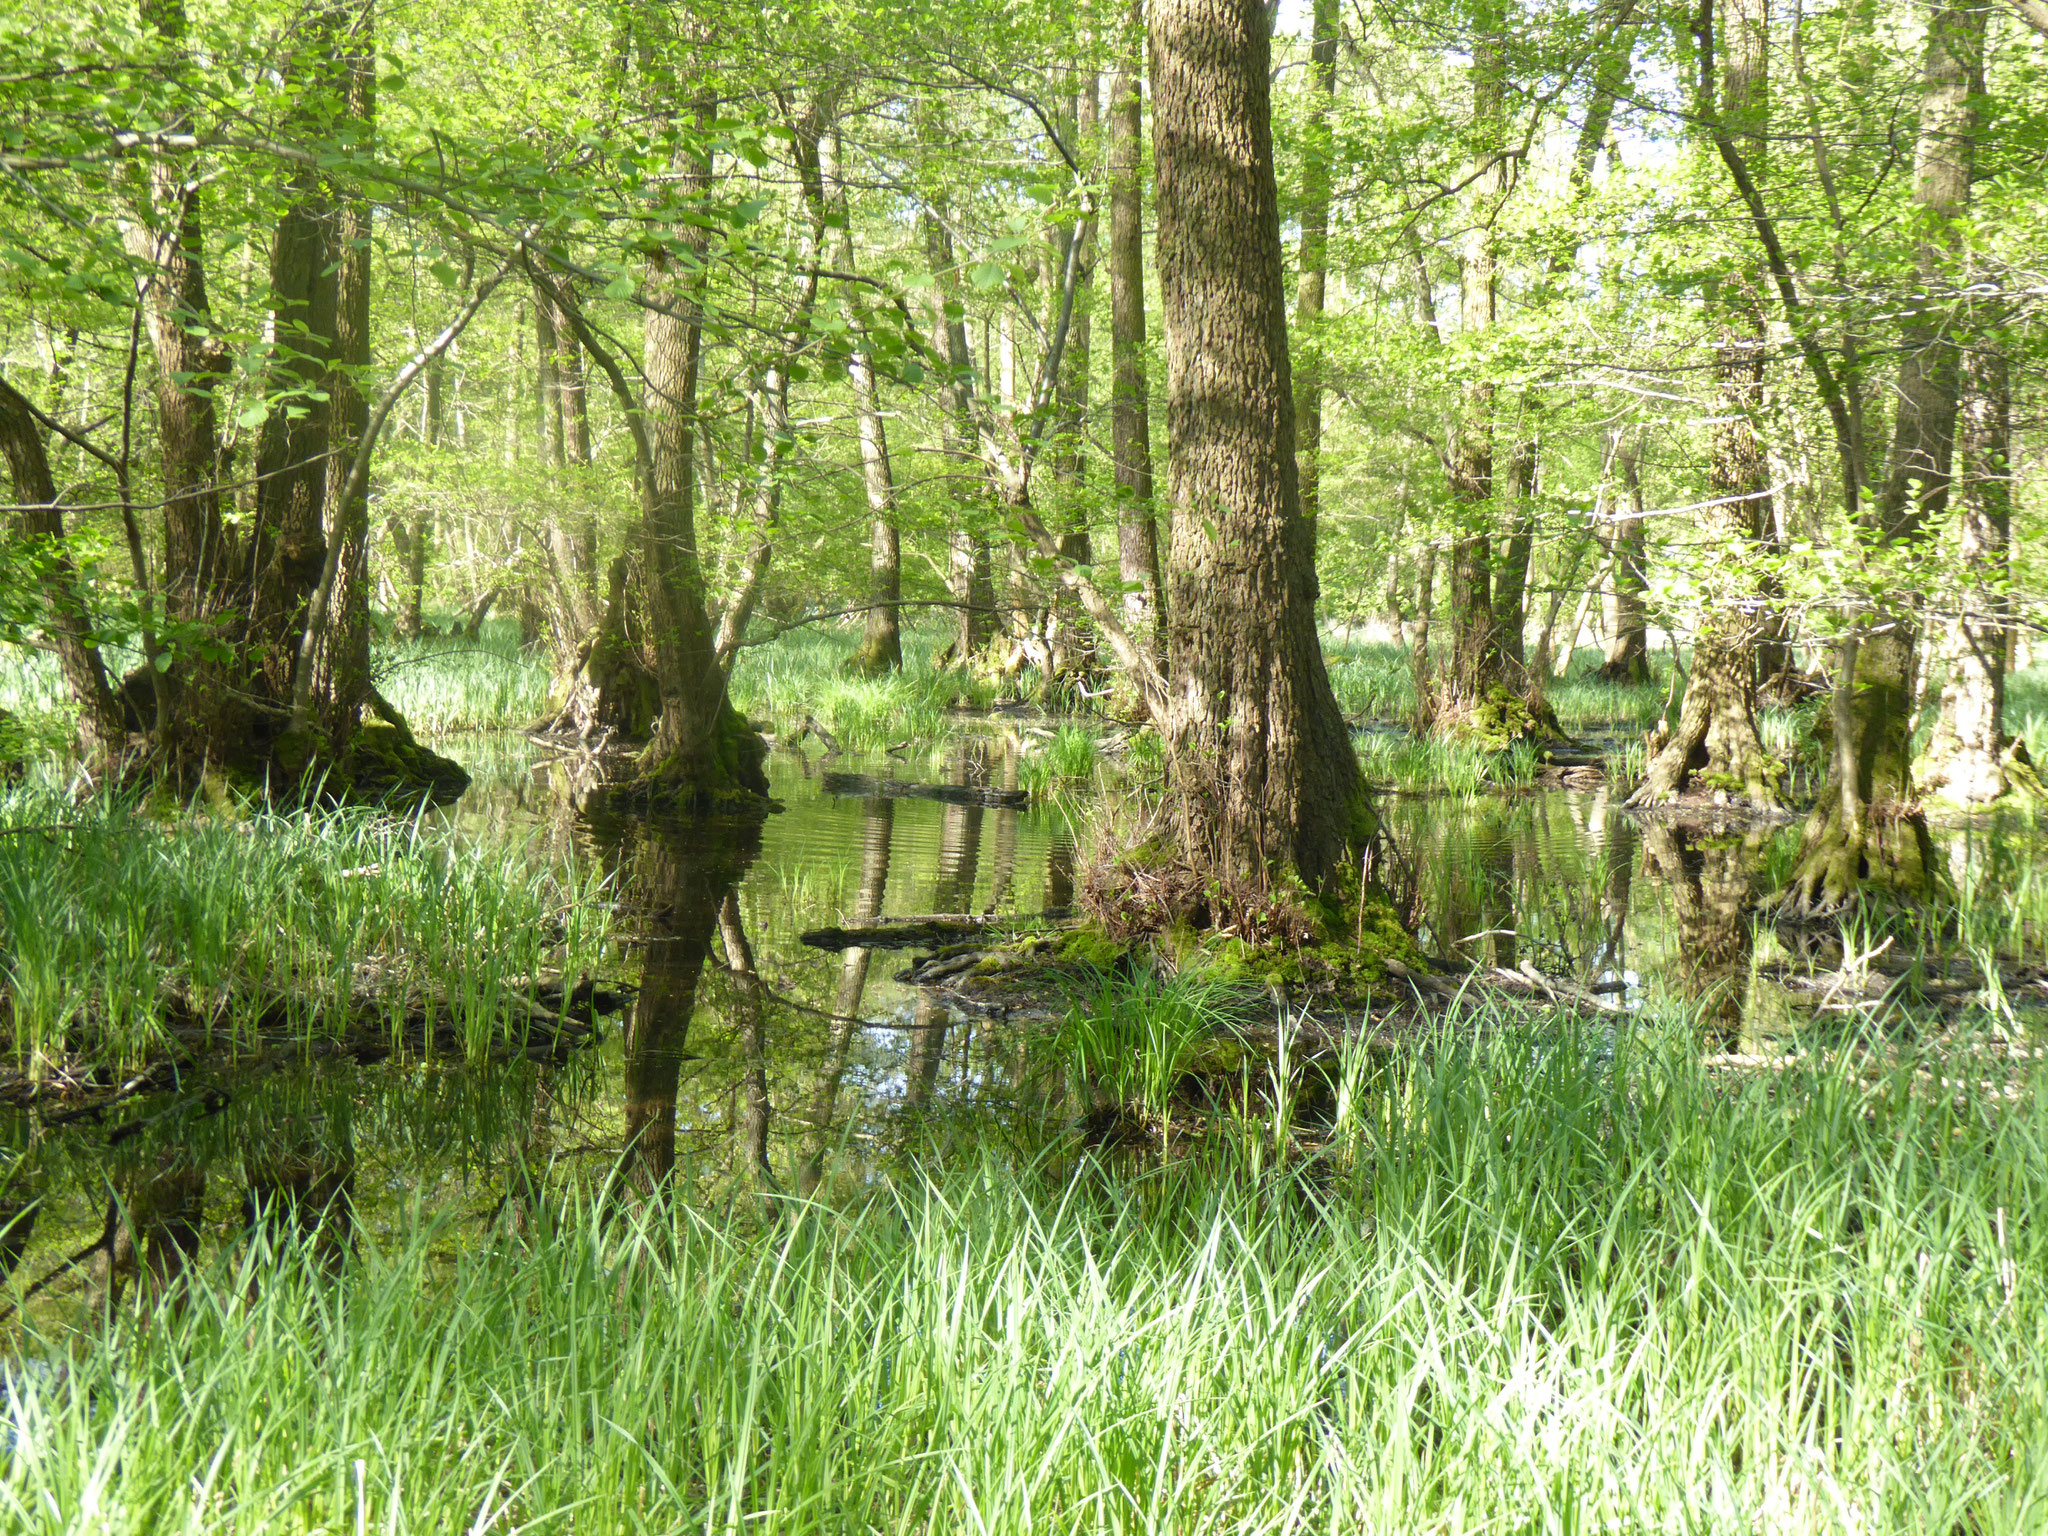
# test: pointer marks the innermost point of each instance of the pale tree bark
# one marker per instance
(1971, 759)
(1263, 783)
(771, 396)
(1717, 749)
(1627, 659)
(1137, 530)
(968, 578)
(1866, 832)
(881, 649)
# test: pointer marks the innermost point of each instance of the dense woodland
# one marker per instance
(1149, 765)
(1131, 358)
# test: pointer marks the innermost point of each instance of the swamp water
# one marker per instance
(750, 1060)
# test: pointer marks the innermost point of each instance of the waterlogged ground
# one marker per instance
(752, 1060)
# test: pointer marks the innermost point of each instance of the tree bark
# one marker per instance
(1627, 659)
(1137, 530)
(881, 648)
(100, 728)
(1264, 785)
(1866, 831)
(1313, 258)
(702, 752)
(1971, 761)
(1717, 747)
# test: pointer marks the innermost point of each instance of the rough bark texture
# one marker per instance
(289, 545)
(703, 753)
(1477, 670)
(1137, 530)
(1263, 779)
(1627, 659)
(342, 663)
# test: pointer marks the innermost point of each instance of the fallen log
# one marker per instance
(861, 786)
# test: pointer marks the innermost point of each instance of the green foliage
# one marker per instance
(119, 926)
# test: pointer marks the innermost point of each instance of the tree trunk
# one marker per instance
(772, 397)
(1477, 666)
(702, 753)
(1628, 637)
(1970, 760)
(1263, 781)
(289, 545)
(342, 662)
(1137, 532)
(100, 728)
(1312, 259)
(198, 554)
(881, 648)
(1717, 747)
(1867, 830)
(969, 580)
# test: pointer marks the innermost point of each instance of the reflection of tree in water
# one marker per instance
(675, 878)
(1711, 875)
(878, 827)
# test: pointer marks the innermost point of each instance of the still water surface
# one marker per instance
(752, 1060)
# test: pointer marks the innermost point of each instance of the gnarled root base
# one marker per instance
(721, 776)
(1494, 720)
(878, 656)
(1889, 854)
(1978, 781)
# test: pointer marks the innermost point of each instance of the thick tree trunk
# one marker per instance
(1477, 666)
(341, 684)
(1971, 760)
(69, 626)
(1628, 638)
(1867, 831)
(1263, 781)
(289, 545)
(1137, 531)
(703, 753)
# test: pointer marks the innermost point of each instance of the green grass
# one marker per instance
(1526, 1283)
(120, 925)
(802, 675)
(1440, 765)
(452, 684)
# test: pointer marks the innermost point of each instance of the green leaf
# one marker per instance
(251, 416)
(985, 275)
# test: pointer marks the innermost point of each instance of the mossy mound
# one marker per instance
(726, 776)
(383, 764)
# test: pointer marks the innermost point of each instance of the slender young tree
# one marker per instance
(1137, 530)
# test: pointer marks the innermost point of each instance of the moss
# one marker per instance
(1501, 719)
(1091, 947)
(385, 762)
